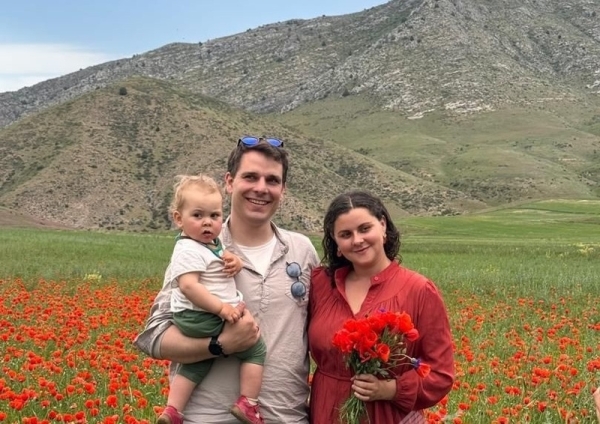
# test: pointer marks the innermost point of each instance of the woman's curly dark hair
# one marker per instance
(343, 204)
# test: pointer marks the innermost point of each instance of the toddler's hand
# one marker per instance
(233, 264)
(230, 313)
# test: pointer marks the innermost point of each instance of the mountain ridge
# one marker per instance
(459, 56)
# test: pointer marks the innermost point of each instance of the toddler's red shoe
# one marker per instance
(246, 413)
(170, 416)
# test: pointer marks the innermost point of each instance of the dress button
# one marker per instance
(376, 278)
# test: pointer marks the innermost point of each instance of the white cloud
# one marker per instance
(27, 64)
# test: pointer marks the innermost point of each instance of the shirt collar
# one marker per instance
(379, 278)
(228, 241)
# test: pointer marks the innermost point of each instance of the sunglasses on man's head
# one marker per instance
(253, 141)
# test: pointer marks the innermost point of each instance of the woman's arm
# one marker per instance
(434, 347)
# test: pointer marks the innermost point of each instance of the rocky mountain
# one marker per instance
(412, 56)
(108, 160)
(439, 106)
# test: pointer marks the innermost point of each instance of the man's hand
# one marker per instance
(239, 336)
(233, 264)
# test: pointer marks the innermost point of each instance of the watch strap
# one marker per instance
(215, 347)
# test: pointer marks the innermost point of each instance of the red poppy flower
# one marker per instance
(375, 345)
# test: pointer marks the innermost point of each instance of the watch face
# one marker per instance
(214, 347)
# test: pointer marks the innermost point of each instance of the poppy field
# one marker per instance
(521, 287)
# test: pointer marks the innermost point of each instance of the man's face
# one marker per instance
(256, 188)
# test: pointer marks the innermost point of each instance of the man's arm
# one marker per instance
(160, 339)
(234, 338)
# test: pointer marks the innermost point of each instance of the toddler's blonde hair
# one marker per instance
(184, 182)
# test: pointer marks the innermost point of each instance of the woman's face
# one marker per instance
(360, 238)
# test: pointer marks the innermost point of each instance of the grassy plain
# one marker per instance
(545, 150)
(520, 283)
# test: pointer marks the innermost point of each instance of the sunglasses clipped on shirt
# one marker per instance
(298, 288)
(250, 141)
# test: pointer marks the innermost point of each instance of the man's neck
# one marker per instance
(246, 234)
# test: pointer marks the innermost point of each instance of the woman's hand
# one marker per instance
(368, 388)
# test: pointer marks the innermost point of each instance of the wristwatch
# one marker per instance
(215, 347)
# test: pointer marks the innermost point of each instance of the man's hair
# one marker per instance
(276, 153)
(184, 182)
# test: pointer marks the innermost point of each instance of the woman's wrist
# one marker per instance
(389, 389)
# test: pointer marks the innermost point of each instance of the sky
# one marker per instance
(43, 39)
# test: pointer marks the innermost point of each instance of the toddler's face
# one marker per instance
(201, 216)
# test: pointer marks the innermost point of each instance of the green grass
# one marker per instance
(539, 222)
(32, 254)
(535, 246)
(531, 248)
(531, 150)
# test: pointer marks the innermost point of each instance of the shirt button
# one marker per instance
(376, 278)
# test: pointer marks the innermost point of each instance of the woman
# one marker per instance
(361, 274)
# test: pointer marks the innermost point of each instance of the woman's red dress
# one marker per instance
(394, 289)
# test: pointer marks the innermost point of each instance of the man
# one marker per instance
(274, 282)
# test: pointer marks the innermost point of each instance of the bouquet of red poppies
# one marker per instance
(375, 345)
